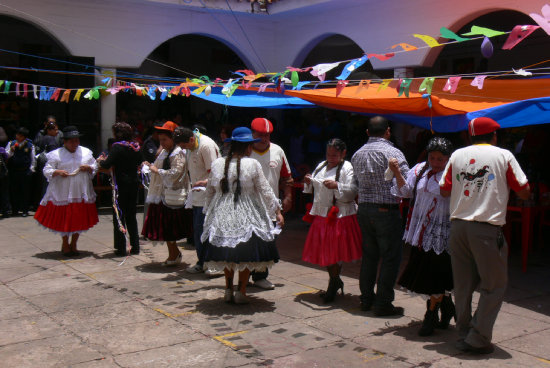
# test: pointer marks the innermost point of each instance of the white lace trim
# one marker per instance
(252, 266)
(62, 233)
(232, 242)
(45, 201)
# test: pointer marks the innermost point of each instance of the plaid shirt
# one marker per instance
(369, 164)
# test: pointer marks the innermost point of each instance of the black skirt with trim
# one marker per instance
(427, 273)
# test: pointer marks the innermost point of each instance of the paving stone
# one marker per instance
(15, 308)
(28, 328)
(46, 286)
(502, 357)
(5, 292)
(197, 354)
(535, 344)
(60, 351)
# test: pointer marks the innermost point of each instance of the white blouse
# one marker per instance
(428, 226)
(75, 188)
(228, 223)
(323, 197)
(174, 178)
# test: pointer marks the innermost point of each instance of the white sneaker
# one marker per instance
(264, 284)
(239, 298)
(213, 273)
(175, 262)
(194, 269)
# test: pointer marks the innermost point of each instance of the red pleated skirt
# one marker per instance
(333, 242)
(167, 224)
(70, 218)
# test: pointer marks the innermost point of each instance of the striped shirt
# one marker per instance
(369, 164)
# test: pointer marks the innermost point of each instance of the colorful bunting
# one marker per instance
(405, 46)
(364, 84)
(381, 57)
(447, 33)
(429, 40)
(522, 72)
(543, 20)
(340, 86)
(77, 95)
(300, 85)
(384, 84)
(519, 33)
(478, 81)
(320, 70)
(481, 31)
(7, 86)
(486, 48)
(66, 96)
(452, 84)
(351, 66)
(294, 78)
(17, 89)
(427, 85)
(35, 90)
(55, 94)
(404, 87)
(25, 91)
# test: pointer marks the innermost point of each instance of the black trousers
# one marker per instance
(127, 202)
(5, 206)
(20, 181)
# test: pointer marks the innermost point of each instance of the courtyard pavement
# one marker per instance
(92, 312)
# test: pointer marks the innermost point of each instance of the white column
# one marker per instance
(108, 108)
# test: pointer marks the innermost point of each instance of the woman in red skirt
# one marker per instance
(68, 207)
(334, 236)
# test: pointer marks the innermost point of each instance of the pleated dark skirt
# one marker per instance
(427, 272)
(167, 224)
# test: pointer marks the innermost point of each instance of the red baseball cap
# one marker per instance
(262, 125)
(483, 125)
(169, 125)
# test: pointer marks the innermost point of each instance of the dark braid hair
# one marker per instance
(235, 148)
(438, 144)
(340, 146)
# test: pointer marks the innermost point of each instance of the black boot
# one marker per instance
(430, 320)
(334, 284)
(447, 312)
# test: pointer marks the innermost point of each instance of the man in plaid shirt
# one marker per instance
(379, 218)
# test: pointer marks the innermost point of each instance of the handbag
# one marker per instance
(175, 197)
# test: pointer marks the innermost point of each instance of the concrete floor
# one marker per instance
(91, 312)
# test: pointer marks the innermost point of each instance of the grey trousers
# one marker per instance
(479, 256)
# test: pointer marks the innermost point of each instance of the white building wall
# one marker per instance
(122, 33)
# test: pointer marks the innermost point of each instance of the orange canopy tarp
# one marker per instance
(465, 99)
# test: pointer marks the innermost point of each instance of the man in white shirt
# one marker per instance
(276, 170)
(479, 178)
(201, 151)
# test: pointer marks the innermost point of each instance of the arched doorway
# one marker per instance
(25, 45)
(197, 55)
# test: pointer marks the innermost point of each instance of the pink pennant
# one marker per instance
(17, 89)
(544, 19)
(263, 86)
(340, 86)
(478, 81)
(382, 57)
(246, 85)
(55, 94)
(399, 84)
(25, 90)
(302, 70)
(245, 71)
(452, 84)
(519, 33)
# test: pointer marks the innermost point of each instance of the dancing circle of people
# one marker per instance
(229, 208)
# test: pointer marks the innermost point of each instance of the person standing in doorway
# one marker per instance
(276, 169)
(478, 178)
(21, 164)
(379, 218)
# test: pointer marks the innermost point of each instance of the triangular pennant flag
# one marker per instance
(481, 31)
(152, 93)
(77, 95)
(320, 70)
(1, 82)
(544, 19)
(519, 33)
(340, 86)
(55, 94)
(447, 33)
(522, 72)
(294, 78)
(35, 91)
(293, 69)
(486, 48)
(50, 93)
(7, 86)
(427, 85)
(188, 91)
(384, 84)
(351, 66)
(429, 40)
(88, 95)
(139, 92)
(17, 89)
(227, 87)
(405, 86)
(478, 81)
(405, 46)
(231, 90)
(199, 90)
(43, 93)
(263, 86)
(364, 84)
(244, 71)
(452, 84)
(66, 96)
(381, 57)
(208, 90)
(25, 90)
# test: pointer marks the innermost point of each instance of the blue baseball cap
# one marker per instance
(242, 134)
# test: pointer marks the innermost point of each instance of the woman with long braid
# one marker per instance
(238, 232)
(334, 236)
(428, 271)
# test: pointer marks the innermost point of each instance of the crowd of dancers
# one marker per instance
(229, 207)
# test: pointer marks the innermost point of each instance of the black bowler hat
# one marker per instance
(70, 131)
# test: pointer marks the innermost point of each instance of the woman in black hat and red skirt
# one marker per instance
(68, 207)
